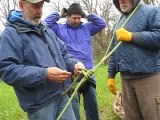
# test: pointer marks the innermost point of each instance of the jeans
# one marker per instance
(53, 109)
(90, 104)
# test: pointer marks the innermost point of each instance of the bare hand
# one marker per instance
(57, 75)
(77, 68)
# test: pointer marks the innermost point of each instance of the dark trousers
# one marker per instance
(90, 102)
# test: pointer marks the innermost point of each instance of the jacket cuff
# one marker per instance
(43, 74)
(137, 38)
(57, 15)
(111, 75)
(90, 16)
(73, 66)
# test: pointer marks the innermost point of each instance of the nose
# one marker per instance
(77, 20)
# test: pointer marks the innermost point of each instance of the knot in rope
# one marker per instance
(87, 73)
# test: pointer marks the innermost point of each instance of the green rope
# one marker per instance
(109, 46)
(89, 73)
(72, 86)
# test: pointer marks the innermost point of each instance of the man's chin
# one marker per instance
(35, 22)
(76, 25)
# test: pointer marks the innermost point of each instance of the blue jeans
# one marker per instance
(90, 104)
(53, 109)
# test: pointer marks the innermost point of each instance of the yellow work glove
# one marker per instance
(112, 85)
(123, 35)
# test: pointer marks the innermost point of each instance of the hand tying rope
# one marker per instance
(86, 73)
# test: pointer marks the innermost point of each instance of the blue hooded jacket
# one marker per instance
(78, 39)
(26, 51)
(142, 55)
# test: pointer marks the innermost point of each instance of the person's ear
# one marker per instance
(67, 17)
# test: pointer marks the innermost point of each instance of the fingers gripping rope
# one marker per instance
(87, 74)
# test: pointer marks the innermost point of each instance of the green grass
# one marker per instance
(10, 110)
(9, 107)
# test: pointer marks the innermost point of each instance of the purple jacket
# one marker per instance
(78, 40)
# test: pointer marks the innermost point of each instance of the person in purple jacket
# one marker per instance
(78, 39)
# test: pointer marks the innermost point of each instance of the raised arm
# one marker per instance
(95, 23)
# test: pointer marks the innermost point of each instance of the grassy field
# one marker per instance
(10, 110)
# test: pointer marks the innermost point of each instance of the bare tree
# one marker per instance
(56, 6)
(5, 7)
(153, 2)
(149, 1)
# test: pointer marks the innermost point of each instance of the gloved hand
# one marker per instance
(123, 35)
(64, 12)
(112, 85)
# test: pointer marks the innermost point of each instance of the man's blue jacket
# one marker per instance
(142, 55)
(26, 51)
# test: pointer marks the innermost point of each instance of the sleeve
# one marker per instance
(70, 61)
(150, 39)
(95, 23)
(112, 63)
(12, 70)
(51, 21)
(112, 67)
(58, 48)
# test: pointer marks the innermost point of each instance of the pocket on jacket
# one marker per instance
(158, 106)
